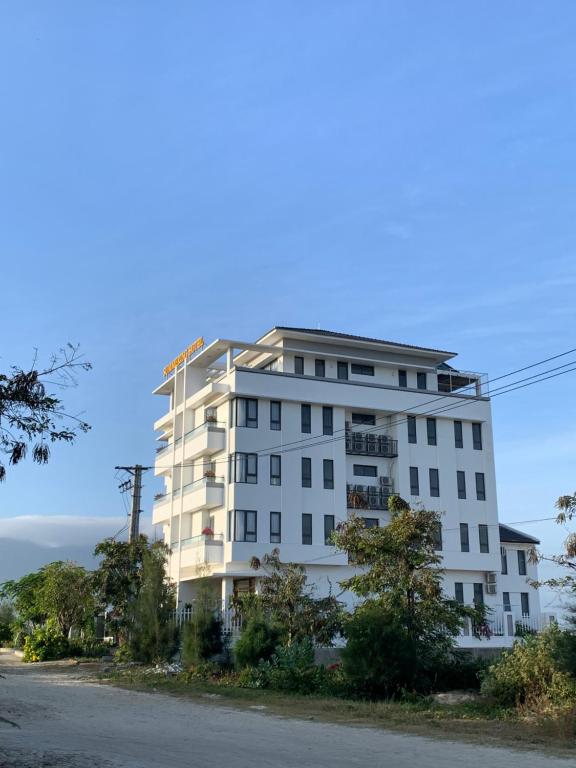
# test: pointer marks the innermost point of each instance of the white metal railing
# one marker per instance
(206, 425)
(203, 538)
(207, 480)
(228, 615)
(506, 624)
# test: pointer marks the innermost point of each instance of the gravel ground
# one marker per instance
(66, 721)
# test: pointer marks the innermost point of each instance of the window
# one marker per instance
(504, 560)
(362, 370)
(411, 429)
(402, 379)
(299, 365)
(437, 533)
(364, 418)
(458, 438)
(464, 538)
(306, 529)
(328, 474)
(306, 418)
(525, 603)
(275, 470)
(328, 528)
(242, 525)
(521, 562)
(275, 527)
(371, 522)
(414, 483)
(480, 487)
(327, 420)
(483, 538)
(477, 436)
(246, 412)
(434, 482)
(431, 431)
(461, 484)
(421, 380)
(365, 470)
(320, 368)
(275, 414)
(342, 370)
(459, 592)
(306, 473)
(243, 468)
(506, 605)
(479, 594)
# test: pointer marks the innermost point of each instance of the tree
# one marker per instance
(23, 594)
(29, 415)
(150, 617)
(400, 577)
(66, 595)
(289, 602)
(566, 506)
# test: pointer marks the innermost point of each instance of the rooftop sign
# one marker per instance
(196, 345)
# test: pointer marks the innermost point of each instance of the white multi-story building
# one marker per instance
(273, 443)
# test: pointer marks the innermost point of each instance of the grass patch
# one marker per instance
(478, 722)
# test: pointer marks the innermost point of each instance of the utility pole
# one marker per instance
(136, 472)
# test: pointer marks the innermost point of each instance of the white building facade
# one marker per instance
(273, 443)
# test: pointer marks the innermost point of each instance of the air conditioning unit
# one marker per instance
(384, 482)
(490, 579)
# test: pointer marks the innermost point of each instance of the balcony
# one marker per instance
(200, 549)
(370, 444)
(507, 625)
(205, 493)
(368, 496)
(204, 440)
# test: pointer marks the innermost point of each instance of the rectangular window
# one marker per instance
(402, 379)
(328, 474)
(522, 562)
(243, 468)
(506, 605)
(371, 522)
(525, 603)
(483, 538)
(421, 380)
(320, 368)
(411, 422)
(275, 527)
(327, 420)
(477, 436)
(480, 487)
(275, 470)
(342, 370)
(365, 470)
(459, 592)
(299, 365)
(306, 529)
(458, 437)
(247, 412)
(461, 484)
(306, 472)
(434, 482)
(328, 528)
(362, 370)
(464, 538)
(364, 418)
(479, 594)
(431, 431)
(244, 525)
(504, 560)
(275, 414)
(414, 483)
(306, 417)
(438, 537)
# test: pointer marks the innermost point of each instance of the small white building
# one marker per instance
(273, 443)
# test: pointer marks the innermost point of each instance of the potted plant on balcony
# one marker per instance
(207, 532)
(209, 473)
(159, 496)
(210, 418)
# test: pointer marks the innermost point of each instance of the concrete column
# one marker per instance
(227, 590)
(229, 359)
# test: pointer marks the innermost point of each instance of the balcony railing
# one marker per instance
(368, 496)
(369, 444)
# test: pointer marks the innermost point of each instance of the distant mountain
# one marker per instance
(18, 558)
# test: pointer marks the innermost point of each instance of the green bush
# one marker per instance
(379, 659)
(45, 644)
(532, 676)
(460, 671)
(257, 642)
(201, 637)
(5, 633)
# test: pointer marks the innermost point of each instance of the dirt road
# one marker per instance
(66, 721)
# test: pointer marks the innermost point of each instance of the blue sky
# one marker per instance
(396, 169)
